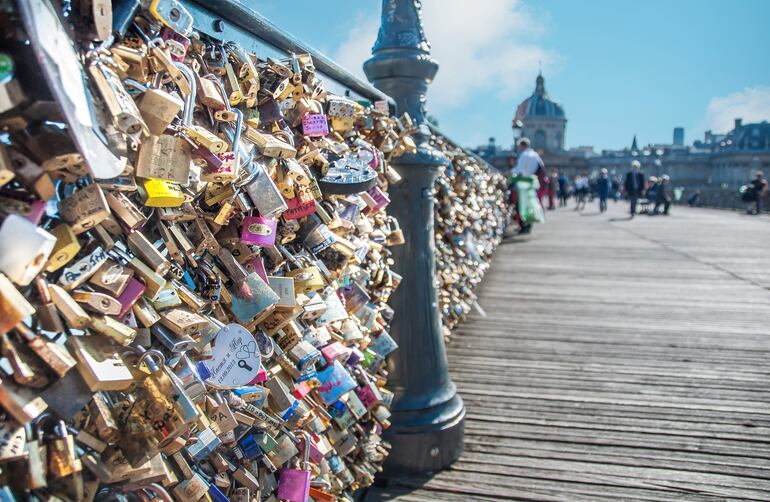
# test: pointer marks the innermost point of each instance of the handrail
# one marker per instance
(222, 19)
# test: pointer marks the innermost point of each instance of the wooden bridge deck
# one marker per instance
(619, 360)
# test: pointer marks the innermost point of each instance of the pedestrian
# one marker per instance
(603, 188)
(563, 190)
(634, 185)
(663, 195)
(755, 190)
(528, 163)
(615, 188)
(553, 182)
(581, 191)
(694, 200)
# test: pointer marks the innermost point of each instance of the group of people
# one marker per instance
(753, 192)
(653, 192)
(584, 189)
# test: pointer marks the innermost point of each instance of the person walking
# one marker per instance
(581, 191)
(758, 187)
(634, 185)
(563, 190)
(528, 163)
(553, 182)
(603, 189)
(663, 195)
(615, 188)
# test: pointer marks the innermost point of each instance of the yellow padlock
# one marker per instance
(341, 124)
(161, 193)
(306, 279)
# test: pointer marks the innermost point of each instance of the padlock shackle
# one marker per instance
(241, 54)
(306, 454)
(156, 490)
(189, 100)
(219, 85)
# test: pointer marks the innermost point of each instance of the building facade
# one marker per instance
(544, 122)
(717, 166)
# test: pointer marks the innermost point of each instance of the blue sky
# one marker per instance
(618, 67)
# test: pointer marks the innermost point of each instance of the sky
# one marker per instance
(619, 67)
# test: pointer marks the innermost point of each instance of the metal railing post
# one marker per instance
(428, 414)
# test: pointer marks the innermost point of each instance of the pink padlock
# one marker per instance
(36, 211)
(257, 264)
(261, 377)
(335, 351)
(375, 199)
(179, 49)
(315, 124)
(259, 231)
(130, 295)
(294, 484)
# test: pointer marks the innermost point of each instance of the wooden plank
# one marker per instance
(618, 360)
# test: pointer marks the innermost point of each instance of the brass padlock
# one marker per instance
(121, 108)
(84, 208)
(158, 109)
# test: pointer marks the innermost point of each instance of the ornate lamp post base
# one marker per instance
(427, 413)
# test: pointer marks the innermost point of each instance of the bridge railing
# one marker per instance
(428, 415)
(233, 20)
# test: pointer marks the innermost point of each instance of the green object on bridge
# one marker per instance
(530, 209)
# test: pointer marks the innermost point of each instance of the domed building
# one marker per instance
(544, 120)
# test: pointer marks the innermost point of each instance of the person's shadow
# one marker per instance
(627, 218)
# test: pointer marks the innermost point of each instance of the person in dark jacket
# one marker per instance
(694, 200)
(757, 189)
(663, 195)
(634, 185)
(563, 190)
(603, 189)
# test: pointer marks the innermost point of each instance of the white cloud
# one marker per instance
(752, 104)
(487, 47)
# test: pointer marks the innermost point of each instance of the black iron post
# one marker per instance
(428, 414)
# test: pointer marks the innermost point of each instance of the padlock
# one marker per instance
(168, 157)
(54, 355)
(65, 249)
(172, 14)
(294, 484)
(14, 307)
(24, 249)
(251, 296)
(73, 314)
(209, 94)
(161, 193)
(158, 109)
(99, 363)
(122, 110)
(307, 278)
(84, 208)
(27, 369)
(229, 168)
(79, 272)
(264, 193)
(259, 231)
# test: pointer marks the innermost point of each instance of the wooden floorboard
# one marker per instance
(618, 360)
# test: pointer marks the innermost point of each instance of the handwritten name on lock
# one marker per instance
(315, 124)
(235, 358)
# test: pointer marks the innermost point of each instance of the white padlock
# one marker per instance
(24, 249)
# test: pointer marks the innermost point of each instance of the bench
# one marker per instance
(644, 205)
